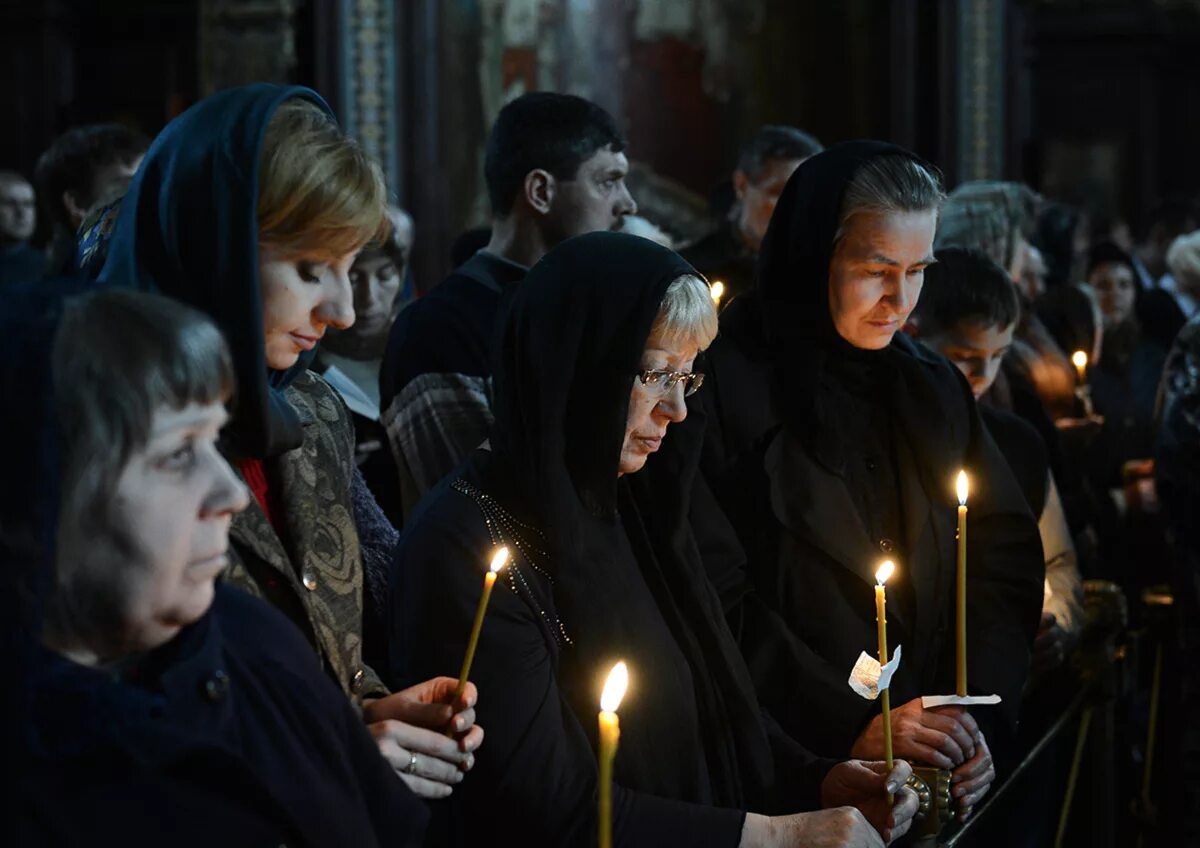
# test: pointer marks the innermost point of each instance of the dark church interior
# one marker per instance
(409, 264)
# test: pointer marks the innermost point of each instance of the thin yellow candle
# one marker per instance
(489, 580)
(610, 733)
(960, 676)
(1080, 360)
(881, 577)
(717, 290)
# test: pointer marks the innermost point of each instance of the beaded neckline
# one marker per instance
(529, 542)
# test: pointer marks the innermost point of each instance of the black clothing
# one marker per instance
(721, 255)
(1024, 451)
(1125, 390)
(20, 263)
(863, 470)
(435, 388)
(230, 733)
(605, 568)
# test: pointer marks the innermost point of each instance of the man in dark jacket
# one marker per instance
(555, 169)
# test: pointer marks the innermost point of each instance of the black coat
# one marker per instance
(862, 469)
(230, 734)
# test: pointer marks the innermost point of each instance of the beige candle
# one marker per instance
(881, 577)
(610, 734)
(960, 676)
(489, 580)
(1080, 360)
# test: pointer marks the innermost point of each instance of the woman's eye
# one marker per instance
(181, 459)
(308, 273)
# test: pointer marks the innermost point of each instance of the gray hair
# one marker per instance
(891, 183)
(119, 356)
(1183, 260)
(773, 142)
(687, 315)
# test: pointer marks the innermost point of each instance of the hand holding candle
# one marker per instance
(610, 733)
(960, 668)
(881, 577)
(489, 580)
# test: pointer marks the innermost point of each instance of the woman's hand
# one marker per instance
(844, 827)
(972, 780)
(942, 736)
(865, 786)
(410, 728)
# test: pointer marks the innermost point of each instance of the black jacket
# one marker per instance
(229, 735)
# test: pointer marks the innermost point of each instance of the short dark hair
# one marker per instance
(118, 357)
(554, 132)
(71, 161)
(774, 141)
(965, 286)
(1106, 253)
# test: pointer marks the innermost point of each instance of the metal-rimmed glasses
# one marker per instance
(662, 382)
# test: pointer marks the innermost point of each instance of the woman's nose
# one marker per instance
(228, 494)
(673, 406)
(337, 309)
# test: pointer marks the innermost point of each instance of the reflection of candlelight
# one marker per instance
(881, 577)
(1080, 361)
(489, 580)
(717, 290)
(960, 677)
(610, 733)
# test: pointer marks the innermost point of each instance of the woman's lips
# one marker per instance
(651, 443)
(305, 342)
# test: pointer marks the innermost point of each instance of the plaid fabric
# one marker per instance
(435, 421)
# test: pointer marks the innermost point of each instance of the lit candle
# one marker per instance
(960, 676)
(717, 290)
(489, 580)
(1080, 360)
(610, 733)
(881, 577)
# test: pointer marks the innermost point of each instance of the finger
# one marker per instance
(903, 813)
(462, 721)
(897, 777)
(472, 740)
(911, 749)
(431, 768)
(964, 742)
(967, 787)
(423, 741)
(426, 788)
(962, 716)
(940, 742)
(973, 769)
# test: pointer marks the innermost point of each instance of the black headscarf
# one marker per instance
(188, 228)
(793, 271)
(628, 578)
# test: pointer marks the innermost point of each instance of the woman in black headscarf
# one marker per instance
(251, 207)
(874, 431)
(594, 364)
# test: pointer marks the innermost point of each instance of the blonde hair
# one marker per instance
(1183, 260)
(687, 315)
(319, 194)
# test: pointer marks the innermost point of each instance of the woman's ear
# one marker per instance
(540, 188)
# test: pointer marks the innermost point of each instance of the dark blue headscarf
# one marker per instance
(188, 228)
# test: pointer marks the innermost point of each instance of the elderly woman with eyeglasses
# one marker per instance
(588, 480)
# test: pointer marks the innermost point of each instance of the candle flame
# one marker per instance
(961, 486)
(885, 572)
(499, 560)
(717, 290)
(614, 688)
(1080, 359)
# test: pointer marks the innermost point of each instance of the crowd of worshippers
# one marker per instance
(253, 482)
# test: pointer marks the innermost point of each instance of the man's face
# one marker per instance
(976, 350)
(596, 199)
(109, 183)
(17, 215)
(757, 198)
(1116, 290)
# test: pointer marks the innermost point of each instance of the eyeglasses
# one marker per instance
(662, 382)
